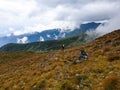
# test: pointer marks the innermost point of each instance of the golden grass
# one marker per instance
(56, 70)
(112, 83)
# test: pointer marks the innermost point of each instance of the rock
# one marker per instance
(77, 74)
(77, 87)
(110, 72)
(34, 86)
(77, 61)
(15, 86)
(81, 86)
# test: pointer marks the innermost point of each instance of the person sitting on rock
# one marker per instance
(83, 55)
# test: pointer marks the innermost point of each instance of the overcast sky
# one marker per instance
(24, 16)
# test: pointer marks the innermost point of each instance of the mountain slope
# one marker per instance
(83, 29)
(52, 34)
(46, 45)
(57, 70)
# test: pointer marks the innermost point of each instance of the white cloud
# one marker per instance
(48, 36)
(62, 35)
(22, 40)
(16, 12)
(110, 26)
(41, 38)
(25, 16)
(56, 37)
(8, 35)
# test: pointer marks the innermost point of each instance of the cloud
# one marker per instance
(56, 37)
(110, 26)
(41, 38)
(48, 35)
(25, 16)
(22, 40)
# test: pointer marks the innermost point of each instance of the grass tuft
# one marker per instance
(112, 83)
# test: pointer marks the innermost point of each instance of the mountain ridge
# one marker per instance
(52, 34)
(45, 45)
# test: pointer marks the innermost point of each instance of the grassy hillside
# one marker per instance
(45, 46)
(57, 70)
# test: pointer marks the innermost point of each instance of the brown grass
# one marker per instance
(56, 70)
(113, 57)
(112, 83)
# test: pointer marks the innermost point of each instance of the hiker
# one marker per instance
(63, 47)
(83, 56)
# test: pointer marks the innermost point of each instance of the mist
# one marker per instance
(111, 25)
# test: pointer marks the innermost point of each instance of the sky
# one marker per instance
(28, 16)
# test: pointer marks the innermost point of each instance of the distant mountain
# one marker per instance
(83, 29)
(52, 34)
(46, 45)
